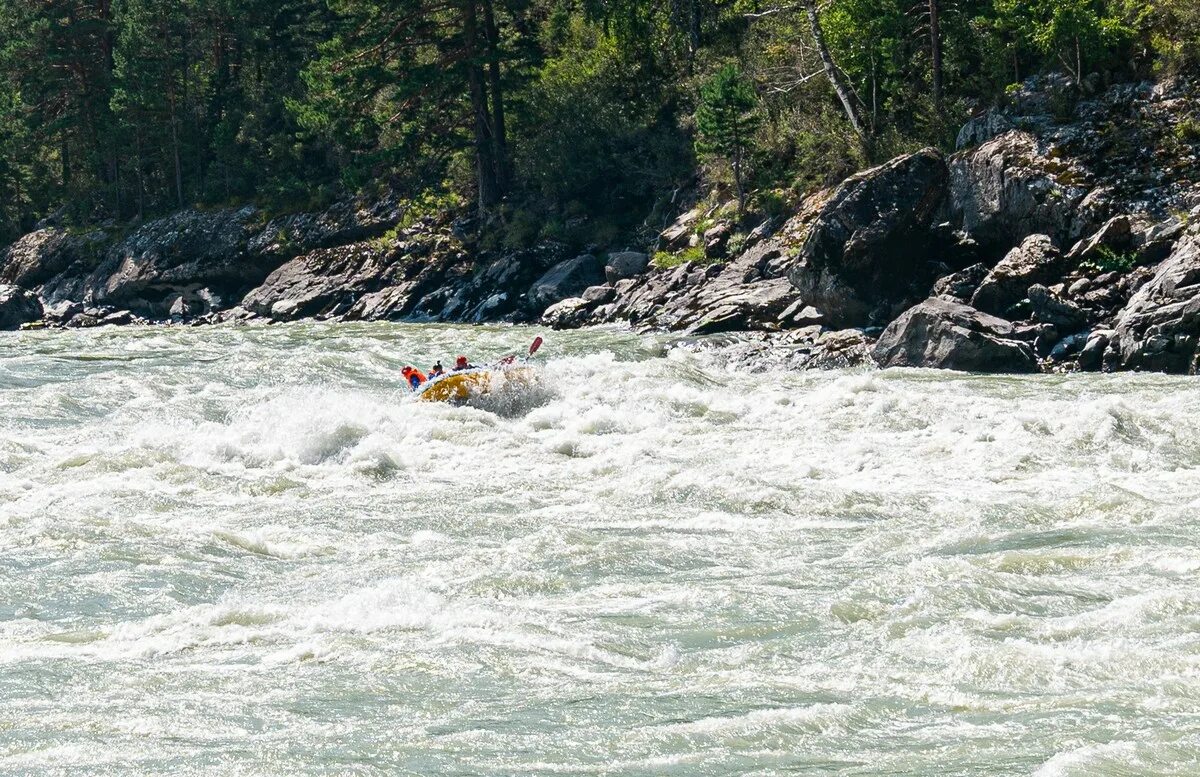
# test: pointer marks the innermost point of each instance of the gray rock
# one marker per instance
(1049, 308)
(314, 284)
(1036, 260)
(18, 307)
(625, 264)
(118, 318)
(1116, 236)
(961, 285)
(680, 234)
(599, 295)
(41, 255)
(185, 251)
(1079, 287)
(716, 239)
(566, 279)
(1160, 327)
(1069, 346)
(799, 315)
(566, 314)
(941, 334)
(1091, 358)
(866, 252)
(62, 312)
(1008, 189)
(840, 349)
(1154, 243)
(982, 129)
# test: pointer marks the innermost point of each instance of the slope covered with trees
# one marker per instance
(574, 119)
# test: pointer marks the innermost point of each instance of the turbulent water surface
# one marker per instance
(248, 551)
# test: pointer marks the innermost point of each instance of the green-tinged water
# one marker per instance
(247, 551)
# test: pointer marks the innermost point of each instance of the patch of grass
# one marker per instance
(774, 203)
(1188, 130)
(1108, 260)
(665, 260)
(425, 205)
(736, 244)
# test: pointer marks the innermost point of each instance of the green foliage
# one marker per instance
(591, 134)
(1174, 29)
(726, 121)
(577, 117)
(665, 260)
(1108, 260)
(1188, 130)
(1073, 32)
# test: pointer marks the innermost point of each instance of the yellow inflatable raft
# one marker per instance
(460, 387)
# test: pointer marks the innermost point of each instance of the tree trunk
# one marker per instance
(935, 42)
(836, 79)
(489, 186)
(737, 182)
(175, 151)
(499, 132)
(694, 22)
(141, 177)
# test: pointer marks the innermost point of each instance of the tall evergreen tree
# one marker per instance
(725, 122)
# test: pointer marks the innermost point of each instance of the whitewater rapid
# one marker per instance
(248, 551)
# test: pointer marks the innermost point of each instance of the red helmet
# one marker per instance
(461, 361)
(406, 370)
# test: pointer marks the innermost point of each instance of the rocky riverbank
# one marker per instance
(1064, 234)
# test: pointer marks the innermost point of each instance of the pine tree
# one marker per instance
(725, 122)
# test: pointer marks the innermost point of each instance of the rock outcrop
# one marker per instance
(625, 264)
(1036, 260)
(566, 279)
(959, 248)
(1159, 329)
(1014, 186)
(867, 251)
(17, 307)
(46, 253)
(941, 334)
(190, 250)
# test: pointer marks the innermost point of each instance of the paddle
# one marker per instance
(507, 360)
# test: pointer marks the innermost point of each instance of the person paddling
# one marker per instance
(436, 371)
(413, 377)
(461, 364)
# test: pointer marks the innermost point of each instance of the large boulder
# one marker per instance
(1036, 260)
(183, 252)
(625, 264)
(17, 307)
(942, 334)
(1049, 308)
(959, 286)
(325, 282)
(1159, 329)
(347, 221)
(751, 293)
(1012, 187)
(566, 279)
(41, 255)
(866, 254)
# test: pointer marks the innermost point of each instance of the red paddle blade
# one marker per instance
(537, 343)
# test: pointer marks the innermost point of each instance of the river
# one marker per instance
(248, 551)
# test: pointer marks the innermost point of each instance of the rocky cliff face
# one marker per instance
(1062, 234)
(1047, 223)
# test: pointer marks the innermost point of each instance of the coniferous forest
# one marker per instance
(539, 111)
